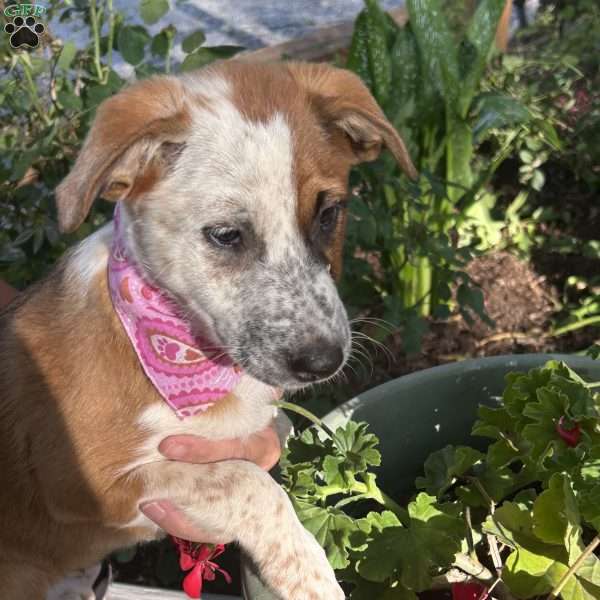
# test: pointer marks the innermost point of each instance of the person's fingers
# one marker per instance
(194, 449)
(169, 518)
(262, 448)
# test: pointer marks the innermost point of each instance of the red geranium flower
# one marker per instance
(470, 590)
(197, 559)
(570, 435)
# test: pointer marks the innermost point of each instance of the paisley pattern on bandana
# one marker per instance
(187, 371)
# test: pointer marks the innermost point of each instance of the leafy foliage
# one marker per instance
(427, 78)
(532, 491)
(554, 71)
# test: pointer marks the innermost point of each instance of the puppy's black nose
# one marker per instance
(316, 361)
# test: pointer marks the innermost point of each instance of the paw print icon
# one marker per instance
(24, 32)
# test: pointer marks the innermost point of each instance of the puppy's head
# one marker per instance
(233, 181)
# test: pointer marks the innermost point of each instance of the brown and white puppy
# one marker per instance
(232, 181)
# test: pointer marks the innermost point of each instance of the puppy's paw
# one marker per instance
(299, 570)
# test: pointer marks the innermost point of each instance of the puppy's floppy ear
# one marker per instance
(130, 140)
(342, 99)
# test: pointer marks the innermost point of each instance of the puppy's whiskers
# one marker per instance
(359, 335)
(382, 323)
(357, 350)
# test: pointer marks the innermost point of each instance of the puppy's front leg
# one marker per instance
(237, 500)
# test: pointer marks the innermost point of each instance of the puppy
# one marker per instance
(230, 184)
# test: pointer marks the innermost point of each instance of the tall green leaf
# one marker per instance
(369, 55)
(472, 59)
(403, 98)
(358, 55)
(436, 46)
(67, 55)
(459, 151)
(379, 57)
(476, 47)
(440, 64)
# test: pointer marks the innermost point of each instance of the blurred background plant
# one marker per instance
(428, 76)
(554, 69)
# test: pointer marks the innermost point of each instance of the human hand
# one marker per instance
(262, 448)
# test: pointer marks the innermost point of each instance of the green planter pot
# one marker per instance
(422, 412)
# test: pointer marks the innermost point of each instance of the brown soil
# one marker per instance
(517, 299)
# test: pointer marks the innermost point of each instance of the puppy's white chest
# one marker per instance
(251, 411)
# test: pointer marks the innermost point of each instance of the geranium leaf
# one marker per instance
(434, 537)
(378, 521)
(307, 447)
(358, 446)
(502, 453)
(590, 466)
(383, 558)
(521, 389)
(444, 466)
(331, 528)
(532, 573)
(494, 423)
(534, 567)
(334, 472)
(589, 503)
(431, 540)
(511, 523)
(529, 574)
(556, 518)
(370, 526)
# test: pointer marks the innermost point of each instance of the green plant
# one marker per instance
(48, 99)
(423, 235)
(553, 70)
(559, 70)
(521, 518)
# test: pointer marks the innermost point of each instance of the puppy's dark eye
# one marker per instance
(224, 237)
(329, 217)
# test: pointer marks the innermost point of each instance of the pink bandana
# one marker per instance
(189, 373)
